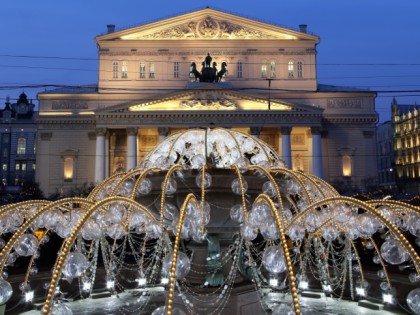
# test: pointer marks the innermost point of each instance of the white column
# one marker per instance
(286, 147)
(106, 157)
(131, 148)
(100, 155)
(316, 152)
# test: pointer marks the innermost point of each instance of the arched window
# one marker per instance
(347, 167)
(263, 70)
(300, 69)
(290, 69)
(239, 69)
(21, 146)
(115, 70)
(151, 71)
(68, 168)
(124, 70)
(272, 69)
(142, 70)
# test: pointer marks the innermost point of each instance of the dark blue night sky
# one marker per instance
(371, 44)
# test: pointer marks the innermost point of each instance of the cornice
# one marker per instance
(362, 119)
(209, 118)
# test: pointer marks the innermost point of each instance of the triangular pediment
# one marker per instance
(210, 97)
(207, 24)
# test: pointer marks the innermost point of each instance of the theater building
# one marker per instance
(205, 69)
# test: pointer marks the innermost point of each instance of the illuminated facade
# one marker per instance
(386, 157)
(406, 125)
(17, 144)
(147, 90)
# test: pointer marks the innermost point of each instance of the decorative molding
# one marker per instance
(101, 132)
(208, 100)
(286, 130)
(316, 130)
(132, 131)
(209, 28)
(208, 118)
(46, 136)
(92, 135)
(368, 133)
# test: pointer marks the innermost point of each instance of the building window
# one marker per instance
(347, 167)
(68, 168)
(34, 166)
(17, 167)
(124, 70)
(23, 167)
(34, 147)
(300, 69)
(290, 69)
(239, 69)
(21, 146)
(151, 71)
(272, 69)
(4, 167)
(142, 71)
(5, 152)
(176, 69)
(115, 70)
(263, 70)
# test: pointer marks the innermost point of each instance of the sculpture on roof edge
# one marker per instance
(209, 71)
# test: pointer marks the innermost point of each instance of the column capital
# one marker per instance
(286, 130)
(163, 131)
(101, 131)
(316, 130)
(256, 130)
(132, 131)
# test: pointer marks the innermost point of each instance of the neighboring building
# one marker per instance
(406, 125)
(17, 144)
(147, 90)
(386, 157)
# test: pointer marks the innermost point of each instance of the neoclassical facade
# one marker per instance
(154, 80)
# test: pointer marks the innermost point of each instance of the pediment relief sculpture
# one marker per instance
(208, 28)
(209, 101)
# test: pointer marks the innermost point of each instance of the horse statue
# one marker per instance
(194, 71)
(222, 72)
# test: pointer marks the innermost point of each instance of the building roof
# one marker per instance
(82, 89)
(338, 88)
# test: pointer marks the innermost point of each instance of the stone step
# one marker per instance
(312, 294)
(371, 305)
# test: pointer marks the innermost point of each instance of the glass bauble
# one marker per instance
(6, 291)
(269, 230)
(269, 189)
(367, 224)
(75, 265)
(393, 253)
(145, 186)
(330, 233)
(183, 266)
(249, 232)
(236, 186)
(273, 259)
(171, 187)
(207, 180)
(27, 245)
(297, 232)
(413, 300)
(237, 213)
(413, 225)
